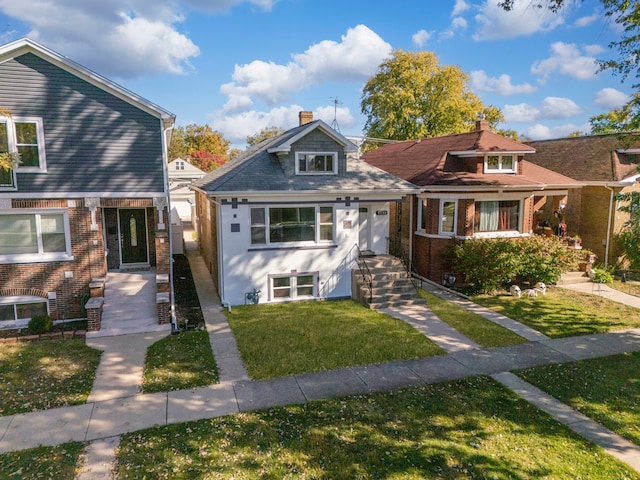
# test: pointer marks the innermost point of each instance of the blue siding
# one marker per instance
(94, 141)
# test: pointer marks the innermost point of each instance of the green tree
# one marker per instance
(413, 96)
(625, 13)
(177, 147)
(629, 238)
(263, 134)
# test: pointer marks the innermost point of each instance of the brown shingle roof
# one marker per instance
(430, 162)
(589, 158)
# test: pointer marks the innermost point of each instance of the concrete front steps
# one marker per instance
(571, 278)
(129, 304)
(391, 286)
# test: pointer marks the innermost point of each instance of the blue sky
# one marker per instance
(242, 65)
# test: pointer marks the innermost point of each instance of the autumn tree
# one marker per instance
(263, 134)
(204, 147)
(413, 96)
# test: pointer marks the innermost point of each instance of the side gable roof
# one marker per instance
(26, 45)
(429, 161)
(595, 158)
(257, 170)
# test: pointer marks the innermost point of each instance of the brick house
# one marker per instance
(90, 194)
(473, 185)
(287, 216)
(606, 165)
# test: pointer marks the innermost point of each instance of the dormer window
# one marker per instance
(500, 164)
(316, 163)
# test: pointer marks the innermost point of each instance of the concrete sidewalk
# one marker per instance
(604, 291)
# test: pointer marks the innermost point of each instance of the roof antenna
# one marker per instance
(334, 124)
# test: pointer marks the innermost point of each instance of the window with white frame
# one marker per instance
(22, 308)
(448, 217)
(500, 164)
(179, 164)
(274, 225)
(316, 163)
(497, 216)
(25, 136)
(291, 287)
(38, 236)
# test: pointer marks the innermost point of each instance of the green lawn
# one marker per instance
(286, 339)
(467, 429)
(477, 328)
(45, 374)
(606, 389)
(564, 313)
(57, 463)
(632, 288)
(179, 362)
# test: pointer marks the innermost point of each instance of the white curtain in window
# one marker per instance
(489, 216)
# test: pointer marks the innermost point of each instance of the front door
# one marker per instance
(133, 235)
(364, 221)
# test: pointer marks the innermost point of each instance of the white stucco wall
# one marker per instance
(246, 266)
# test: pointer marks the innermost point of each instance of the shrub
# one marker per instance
(40, 324)
(490, 264)
(602, 275)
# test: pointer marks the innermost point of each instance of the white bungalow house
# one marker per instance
(287, 217)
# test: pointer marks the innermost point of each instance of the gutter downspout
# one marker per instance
(165, 155)
(411, 234)
(608, 240)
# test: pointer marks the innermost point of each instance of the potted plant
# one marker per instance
(589, 256)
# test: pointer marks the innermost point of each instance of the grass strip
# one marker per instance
(42, 462)
(45, 374)
(286, 339)
(178, 362)
(477, 328)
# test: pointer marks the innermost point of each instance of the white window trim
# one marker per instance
(15, 299)
(514, 168)
(40, 257)
(316, 241)
(293, 287)
(441, 217)
(332, 172)
(11, 130)
(420, 227)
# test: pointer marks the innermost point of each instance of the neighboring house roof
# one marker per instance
(257, 170)
(595, 158)
(26, 45)
(439, 161)
(188, 171)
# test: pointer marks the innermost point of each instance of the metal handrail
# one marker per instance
(399, 252)
(366, 273)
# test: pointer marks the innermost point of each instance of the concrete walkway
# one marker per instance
(105, 417)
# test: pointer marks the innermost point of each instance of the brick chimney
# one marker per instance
(482, 125)
(305, 117)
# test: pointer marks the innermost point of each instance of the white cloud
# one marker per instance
(420, 38)
(588, 20)
(566, 59)
(459, 23)
(355, 58)
(501, 85)
(524, 19)
(460, 7)
(237, 127)
(610, 98)
(543, 132)
(121, 38)
(550, 108)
